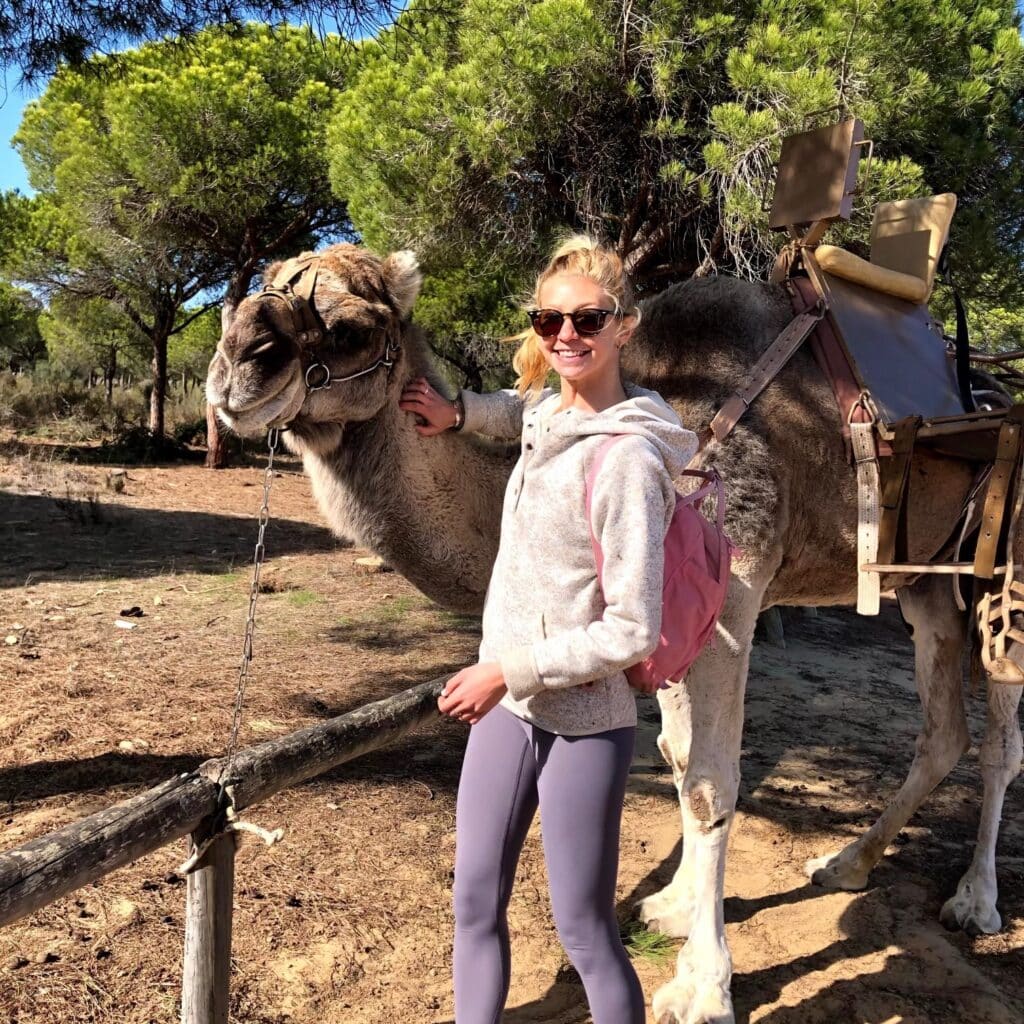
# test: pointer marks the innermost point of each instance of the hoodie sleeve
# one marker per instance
(497, 413)
(631, 506)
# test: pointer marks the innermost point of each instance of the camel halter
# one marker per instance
(294, 285)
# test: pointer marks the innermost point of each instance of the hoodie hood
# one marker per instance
(642, 412)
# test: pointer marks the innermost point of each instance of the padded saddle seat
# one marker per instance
(846, 265)
(907, 239)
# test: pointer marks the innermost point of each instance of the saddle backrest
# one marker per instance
(817, 175)
(908, 235)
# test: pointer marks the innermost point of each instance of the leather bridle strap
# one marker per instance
(387, 360)
(294, 285)
(764, 371)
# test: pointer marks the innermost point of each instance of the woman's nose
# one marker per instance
(567, 332)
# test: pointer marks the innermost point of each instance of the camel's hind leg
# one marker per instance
(702, 724)
(973, 908)
(670, 910)
(939, 631)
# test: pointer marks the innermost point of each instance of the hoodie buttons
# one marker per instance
(529, 447)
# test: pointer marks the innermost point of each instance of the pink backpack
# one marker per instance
(697, 557)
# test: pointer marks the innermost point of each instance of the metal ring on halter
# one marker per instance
(325, 381)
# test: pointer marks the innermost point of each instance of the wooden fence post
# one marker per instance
(209, 900)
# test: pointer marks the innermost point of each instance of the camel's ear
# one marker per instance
(271, 272)
(403, 279)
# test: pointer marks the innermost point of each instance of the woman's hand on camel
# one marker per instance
(472, 692)
(437, 412)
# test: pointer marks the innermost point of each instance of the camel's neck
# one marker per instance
(431, 507)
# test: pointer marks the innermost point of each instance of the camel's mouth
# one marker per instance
(249, 414)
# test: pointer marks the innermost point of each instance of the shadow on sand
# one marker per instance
(46, 538)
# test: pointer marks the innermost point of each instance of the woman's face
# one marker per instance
(573, 357)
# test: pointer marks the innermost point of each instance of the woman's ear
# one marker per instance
(625, 332)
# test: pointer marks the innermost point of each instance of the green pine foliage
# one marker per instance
(176, 170)
(21, 343)
(655, 124)
(88, 336)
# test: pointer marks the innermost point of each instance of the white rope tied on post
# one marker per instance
(232, 823)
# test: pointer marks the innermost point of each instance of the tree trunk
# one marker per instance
(217, 454)
(110, 374)
(158, 395)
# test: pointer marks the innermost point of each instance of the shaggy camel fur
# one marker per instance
(431, 508)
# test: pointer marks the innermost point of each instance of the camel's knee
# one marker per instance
(711, 801)
(674, 757)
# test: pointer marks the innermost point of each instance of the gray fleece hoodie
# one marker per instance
(561, 640)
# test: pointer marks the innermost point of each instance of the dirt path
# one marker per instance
(349, 918)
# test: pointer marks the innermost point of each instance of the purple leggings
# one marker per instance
(579, 783)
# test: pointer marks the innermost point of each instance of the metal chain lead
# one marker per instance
(273, 439)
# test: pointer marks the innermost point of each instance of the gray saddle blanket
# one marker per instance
(897, 351)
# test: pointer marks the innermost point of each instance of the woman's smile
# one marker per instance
(571, 354)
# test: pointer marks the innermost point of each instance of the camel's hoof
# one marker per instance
(834, 872)
(693, 1001)
(662, 913)
(970, 911)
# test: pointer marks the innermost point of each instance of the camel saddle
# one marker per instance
(896, 381)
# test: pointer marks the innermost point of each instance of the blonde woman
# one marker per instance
(552, 716)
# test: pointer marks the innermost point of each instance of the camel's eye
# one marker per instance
(344, 339)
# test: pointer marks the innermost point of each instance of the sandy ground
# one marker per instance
(349, 918)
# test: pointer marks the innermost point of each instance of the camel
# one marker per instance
(430, 507)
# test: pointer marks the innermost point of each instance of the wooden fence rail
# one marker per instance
(43, 870)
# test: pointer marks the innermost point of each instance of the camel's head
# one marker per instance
(318, 320)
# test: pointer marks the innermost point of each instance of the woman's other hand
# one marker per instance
(644, 686)
(471, 693)
(435, 413)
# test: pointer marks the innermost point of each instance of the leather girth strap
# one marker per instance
(998, 492)
(892, 527)
(865, 458)
(764, 371)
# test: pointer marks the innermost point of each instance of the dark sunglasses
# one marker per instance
(588, 322)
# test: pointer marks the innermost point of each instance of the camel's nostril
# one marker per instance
(266, 351)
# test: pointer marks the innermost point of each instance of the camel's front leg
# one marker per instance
(707, 777)
(973, 908)
(939, 629)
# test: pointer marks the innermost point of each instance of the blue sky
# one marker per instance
(12, 173)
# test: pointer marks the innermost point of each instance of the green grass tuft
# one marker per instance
(642, 944)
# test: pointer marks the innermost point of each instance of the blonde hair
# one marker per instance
(582, 255)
